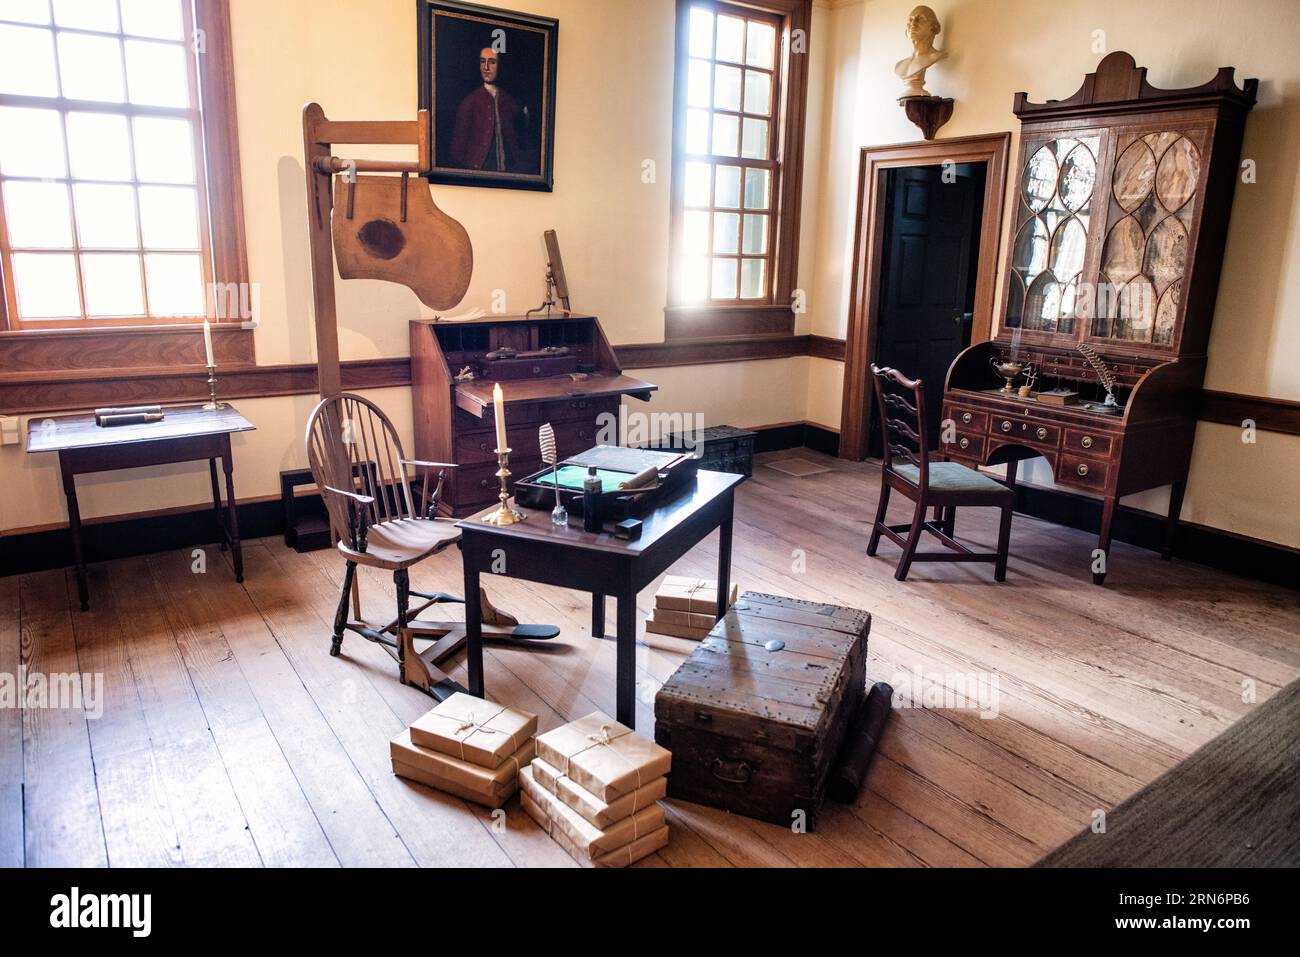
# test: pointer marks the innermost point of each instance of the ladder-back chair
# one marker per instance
(906, 466)
(356, 459)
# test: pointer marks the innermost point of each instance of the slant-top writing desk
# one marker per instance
(560, 370)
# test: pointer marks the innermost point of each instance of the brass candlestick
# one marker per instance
(505, 515)
(212, 405)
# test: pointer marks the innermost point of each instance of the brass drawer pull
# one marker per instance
(1082, 469)
(964, 443)
(1006, 425)
(967, 418)
(1086, 441)
(1042, 433)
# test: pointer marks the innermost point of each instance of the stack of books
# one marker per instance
(686, 607)
(595, 788)
(468, 747)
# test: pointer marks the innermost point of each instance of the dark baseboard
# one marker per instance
(141, 535)
(104, 541)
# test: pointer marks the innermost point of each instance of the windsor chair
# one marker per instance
(356, 459)
(943, 485)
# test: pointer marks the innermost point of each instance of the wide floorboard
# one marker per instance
(228, 735)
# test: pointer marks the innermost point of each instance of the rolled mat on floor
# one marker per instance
(859, 745)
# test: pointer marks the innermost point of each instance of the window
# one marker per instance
(105, 187)
(738, 128)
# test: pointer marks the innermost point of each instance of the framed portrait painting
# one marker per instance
(487, 78)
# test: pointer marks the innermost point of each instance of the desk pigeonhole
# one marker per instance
(756, 715)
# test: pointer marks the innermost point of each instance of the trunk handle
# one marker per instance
(742, 773)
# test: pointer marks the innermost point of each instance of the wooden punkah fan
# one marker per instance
(384, 227)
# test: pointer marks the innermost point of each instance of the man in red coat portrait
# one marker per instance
(486, 134)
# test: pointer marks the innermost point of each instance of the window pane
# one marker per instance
(726, 88)
(91, 67)
(758, 92)
(726, 130)
(25, 11)
(112, 284)
(697, 83)
(755, 241)
(164, 150)
(38, 215)
(169, 217)
(695, 279)
(731, 38)
(99, 146)
(756, 188)
(31, 142)
(751, 278)
(726, 232)
(701, 32)
(27, 61)
(153, 18)
(155, 73)
(697, 131)
(727, 190)
(724, 279)
(47, 286)
(754, 145)
(86, 14)
(105, 216)
(762, 41)
(698, 183)
(695, 232)
(175, 285)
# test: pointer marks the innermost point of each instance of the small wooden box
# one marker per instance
(754, 727)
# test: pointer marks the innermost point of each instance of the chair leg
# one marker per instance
(881, 508)
(341, 616)
(402, 579)
(950, 521)
(913, 539)
(1004, 544)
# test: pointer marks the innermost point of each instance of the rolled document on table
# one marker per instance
(647, 476)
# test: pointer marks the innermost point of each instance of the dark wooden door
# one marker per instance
(927, 276)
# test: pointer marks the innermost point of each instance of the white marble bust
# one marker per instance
(922, 28)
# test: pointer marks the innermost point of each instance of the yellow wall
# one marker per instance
(614, 111)
(998, 47)
(358, 60)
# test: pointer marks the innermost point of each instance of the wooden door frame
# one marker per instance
(864, 303)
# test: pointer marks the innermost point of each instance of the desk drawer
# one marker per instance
(520, 414)
(967, 420)
(965, 445)
(1025, 430)
(479, 483)
(1084, 473)
(1089, 443)
(480, 446)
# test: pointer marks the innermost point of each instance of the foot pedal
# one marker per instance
(529, 633)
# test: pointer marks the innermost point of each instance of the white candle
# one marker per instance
(207, 341)
(499, 400)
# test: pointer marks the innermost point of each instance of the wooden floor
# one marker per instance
(229, 736)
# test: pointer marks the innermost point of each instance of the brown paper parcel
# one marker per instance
(697, 595)
(603, 756)
(588, 805)
(461, 778)
(620, 857)
(590, 840)
(471, 729)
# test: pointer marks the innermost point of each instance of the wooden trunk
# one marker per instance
(756, 715)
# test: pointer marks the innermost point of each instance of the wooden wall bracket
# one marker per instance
(928, 112)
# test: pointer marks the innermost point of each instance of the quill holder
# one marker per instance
(546, 439)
